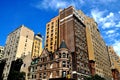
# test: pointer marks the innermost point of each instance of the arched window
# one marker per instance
(64, 55)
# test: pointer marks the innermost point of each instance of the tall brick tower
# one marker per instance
(72, 30)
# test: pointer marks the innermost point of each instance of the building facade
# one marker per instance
(52, 34)
(18, 44)
(114, 58)
(73, 31)
(97, 49)
(52, 65)
(1, 52)
(115, 63)
(26, 63)
(33, 69)
(37, 46)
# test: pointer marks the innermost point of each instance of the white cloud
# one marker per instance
(118, 25)
(110, 15)
(97, 15)
(108, 25)
(105, 20)
(57, 4)
(116, 47)
(113, 36)
(119, 12)
(53, 4)
(110, 32)
(108, 21)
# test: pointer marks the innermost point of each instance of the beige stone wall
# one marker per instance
(18, 43)
(37, 46)
(26, 63)
(25, 42)
(89, 44)
(98, 50)
(52, 34)
(1, 52)
(114, 58)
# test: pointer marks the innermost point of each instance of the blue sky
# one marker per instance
(36, 13)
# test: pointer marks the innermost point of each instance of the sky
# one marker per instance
(34, 14)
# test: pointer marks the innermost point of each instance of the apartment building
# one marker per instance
(114, 58)
(115, 63)
(37, 46)
(52, 34)
(73, 31)
(97, 49)
(18, 44)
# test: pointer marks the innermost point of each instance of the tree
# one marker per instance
(16, 75)
(2, 65)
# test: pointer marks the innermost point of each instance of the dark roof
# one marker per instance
(39, 35)
(63, 45)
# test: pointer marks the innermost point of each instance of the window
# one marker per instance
(63, 73)
(50, 47)
(36, 67)
(51, 38)
(59, 55)
(46, 45)
(52, 26)
(32, 76)
(64, 55)
(68, 64)
(31, 69)
(44, 75)
(40, 67)
(26, 36)
(40, 76)
(26, 40)
(64, 63)
(48, 25)
(8, 53)
(67, 55)
(45, 66)
(51, 43)
(25, 44)
(55, 37)
(24, 65)
(51, 31)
